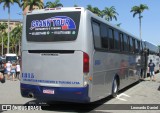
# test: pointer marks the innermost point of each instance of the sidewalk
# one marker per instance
(146, 92)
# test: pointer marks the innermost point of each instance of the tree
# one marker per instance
(118, 24)
(16, 38)
(95, 10)
(53, 4)
(110, 13)
(31, 4)
(7, 4)
(3, 28)
(139, 10)
(75, 5)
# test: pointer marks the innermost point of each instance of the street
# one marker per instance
(145, 92)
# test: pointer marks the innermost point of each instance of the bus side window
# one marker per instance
(131, 45)
(96, 35)
(125, 43)
(139, 47)
(111, 39)
(136, 46)
(104, 36)
(133, 40)
(116, 40)
(122, 41)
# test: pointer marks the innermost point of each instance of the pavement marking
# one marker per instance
(122, 94)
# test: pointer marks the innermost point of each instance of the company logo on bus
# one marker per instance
(57, 22)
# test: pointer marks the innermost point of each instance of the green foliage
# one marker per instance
(31, 4)
(8, 2)
(15, 38)
(53, 4)
(110, 13)
(139, 9)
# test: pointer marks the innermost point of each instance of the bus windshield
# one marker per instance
(11, 58)
(50, 27)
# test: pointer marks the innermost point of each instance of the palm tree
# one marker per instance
(31, 4)
(75, 5)
(16, 37)
(118, 24)
(3, 27)
(110, 13)
(89, 7)
(53, 4)
(138, 10)
(95, 10)
(7, 4)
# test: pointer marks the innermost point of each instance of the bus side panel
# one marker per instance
(107, 66)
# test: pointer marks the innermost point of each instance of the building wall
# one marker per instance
(13, 23)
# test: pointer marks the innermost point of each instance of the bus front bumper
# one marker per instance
(44, 93)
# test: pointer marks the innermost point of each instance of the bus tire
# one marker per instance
(115, 88)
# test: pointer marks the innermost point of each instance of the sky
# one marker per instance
(150, 20)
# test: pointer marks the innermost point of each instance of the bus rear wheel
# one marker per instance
(115, 88)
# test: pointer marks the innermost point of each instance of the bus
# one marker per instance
(11, 57)
(70, 54)
(153, 55)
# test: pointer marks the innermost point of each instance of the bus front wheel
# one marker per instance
(115, 88)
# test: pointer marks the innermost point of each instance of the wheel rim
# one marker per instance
(115, 86)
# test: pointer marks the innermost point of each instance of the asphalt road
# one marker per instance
(144, 94)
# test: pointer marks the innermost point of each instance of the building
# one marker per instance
(13, 23)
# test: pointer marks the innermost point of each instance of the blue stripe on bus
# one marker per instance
(60, 93)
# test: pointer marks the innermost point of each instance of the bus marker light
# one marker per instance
(90, 78)
(85, 63)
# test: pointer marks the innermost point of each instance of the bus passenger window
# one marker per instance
(111, 40)
(116, 40)
(122, 41)
(133, 40)
(131, 45)
(104, 37)
(125, 43)
(96, 35)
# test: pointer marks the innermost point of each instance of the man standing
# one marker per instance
(151, 66)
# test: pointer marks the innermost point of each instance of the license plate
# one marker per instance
(48, 91)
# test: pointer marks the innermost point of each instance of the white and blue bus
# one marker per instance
(70, 54)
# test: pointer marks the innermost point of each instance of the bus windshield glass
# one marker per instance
(51, 27)
(11, 58)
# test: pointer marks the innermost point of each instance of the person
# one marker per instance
(8, 68)
(18, 69)
(151, 66)
(2, 78)
(13, 71)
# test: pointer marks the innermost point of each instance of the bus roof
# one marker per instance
(10, 54)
